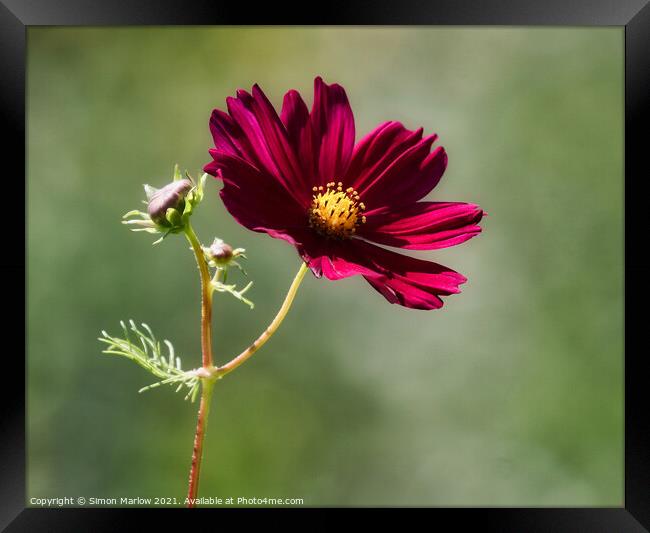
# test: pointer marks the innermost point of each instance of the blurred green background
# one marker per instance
(512, 394)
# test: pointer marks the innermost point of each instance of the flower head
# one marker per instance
(300, 177)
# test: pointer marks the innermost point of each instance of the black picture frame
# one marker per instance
(634, 15)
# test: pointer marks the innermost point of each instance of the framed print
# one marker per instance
(385, 259)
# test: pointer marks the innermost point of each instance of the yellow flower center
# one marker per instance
(335, 212)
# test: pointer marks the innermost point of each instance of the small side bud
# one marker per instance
(221, 255)
(171, 196)
(220, 251)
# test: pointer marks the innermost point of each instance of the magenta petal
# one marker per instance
(409, 281)
(399, 278)
(295, 117)
(410, 177)
(254, 198)
(335, 259)
(399, 292)
(231, 139)
(376, 151)
(266, 144)
(344, 263)
(280, 146)
(228, 136)
(424, 225)
(332, 125)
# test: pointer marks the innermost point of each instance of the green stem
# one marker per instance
(199, 437)
(207, 384)
(206, 298)
(270, 330)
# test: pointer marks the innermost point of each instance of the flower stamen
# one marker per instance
(336, 212)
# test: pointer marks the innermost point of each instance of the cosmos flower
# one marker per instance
(300, 177)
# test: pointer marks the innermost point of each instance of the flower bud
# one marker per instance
(170, 208)
(171, 196)
(220, 251)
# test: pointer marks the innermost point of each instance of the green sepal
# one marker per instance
(174, 218)
(149, 191)
(177, 173)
